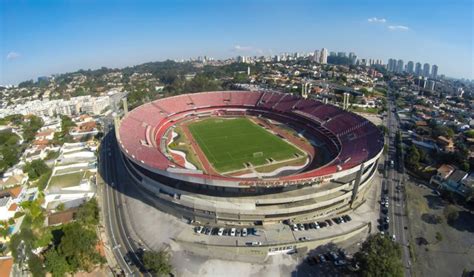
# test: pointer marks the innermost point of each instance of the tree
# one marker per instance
(56, 263)
(35, 265)
(157, 262)
(31, 126)
(64, 136)
(380, 256)
(451, 213)
(43, 181)
(60, 207)
(383, 128)
(9, 150)
(413, 157)
(36, 168)
(34, 211)
(77, 246)
(88, 213)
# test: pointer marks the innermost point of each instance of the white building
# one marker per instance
(324, 56)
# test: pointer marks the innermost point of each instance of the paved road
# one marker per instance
(395, 184)
(119, 235)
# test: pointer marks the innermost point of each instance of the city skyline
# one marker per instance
(45, 39)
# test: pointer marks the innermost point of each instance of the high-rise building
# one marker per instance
(353, 57)
(418, 69)
(392, 65)
(333, 54)
(317, 56)
(324, 56)
(434, 71)
(399, 68)
(426, 70)
(431, 85)
(341, 54)
(410, 67)
(242, 59)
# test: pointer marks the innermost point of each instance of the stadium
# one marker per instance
(244, 157)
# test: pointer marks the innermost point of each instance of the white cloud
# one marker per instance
(13, 55)
(240, 48)
(376, 20)
(247, 49)
(398, 28)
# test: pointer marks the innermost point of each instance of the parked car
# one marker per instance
(302, 239)
(333, 256)
(342, 254)
(294, 227)
(127, 259)
(329, 222)
(315, 259)
(232, 232)
(322, 224)
(198, 229)
(244, 232)
(340, 262)
(322, 258)
(253, 243)
(220, 232)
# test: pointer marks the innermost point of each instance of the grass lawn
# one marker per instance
(365, 110)
(229, 143)
(181, 144)
(66, 180)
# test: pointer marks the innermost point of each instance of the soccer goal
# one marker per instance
(257, 154)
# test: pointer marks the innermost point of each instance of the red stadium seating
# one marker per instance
(346, 135)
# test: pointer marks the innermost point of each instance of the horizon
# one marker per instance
(55, 38)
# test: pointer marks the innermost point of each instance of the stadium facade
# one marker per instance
(315, 192)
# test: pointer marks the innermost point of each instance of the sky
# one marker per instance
(43, 37)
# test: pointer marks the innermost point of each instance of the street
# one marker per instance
(121, 244)
(395, 184)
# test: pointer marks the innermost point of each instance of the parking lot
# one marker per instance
(327, 260)
(254, 236)
(439, 248)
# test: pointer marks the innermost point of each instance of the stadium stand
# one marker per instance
(348, 136)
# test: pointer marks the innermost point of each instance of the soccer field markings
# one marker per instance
(249, 130)
(202, 141)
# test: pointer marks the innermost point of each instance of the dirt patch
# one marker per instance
(438, 248)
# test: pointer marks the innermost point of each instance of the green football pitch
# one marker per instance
(229, 143)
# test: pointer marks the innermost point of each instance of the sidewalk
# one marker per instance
(101, 230)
